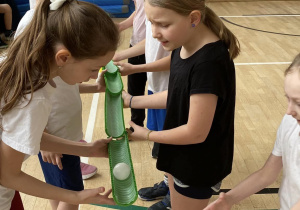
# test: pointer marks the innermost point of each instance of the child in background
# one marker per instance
(136, 82)
(157, 77)
(53, 44)
(285, 155)
(200, 100)
(157, 67)
(6, 10)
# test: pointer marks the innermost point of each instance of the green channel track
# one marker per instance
(124, 191)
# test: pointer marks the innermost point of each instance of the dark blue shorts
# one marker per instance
(193, 192)
(69, 178)
(156, 118)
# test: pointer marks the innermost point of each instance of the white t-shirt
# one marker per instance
(65, 119)
(138, 28)
(32, 4)
(157, 81)
(24, 22)
(23, 127)
(287, 146)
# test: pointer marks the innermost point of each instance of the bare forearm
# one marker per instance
(136, 50)
(59, 145)
(181, 135)
(252, 184)
(257, 181)
(32, 186)
(90, 88)
(154, 101)
(127, 23)
(159, 65)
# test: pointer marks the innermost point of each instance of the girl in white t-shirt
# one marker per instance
(69, 39)
(285, 155)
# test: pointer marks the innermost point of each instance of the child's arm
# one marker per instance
(59, 145)
(255, 182)
(126, 23)
(154, 101)
(136, 50)
(97, 87)
(201, 114)
(12, 177)
(162, 64)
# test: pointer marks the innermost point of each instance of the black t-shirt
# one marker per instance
(209, 70)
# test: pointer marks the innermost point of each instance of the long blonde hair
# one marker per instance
(83, 28)
(208, 17)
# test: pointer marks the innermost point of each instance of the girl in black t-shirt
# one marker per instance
(197, 141)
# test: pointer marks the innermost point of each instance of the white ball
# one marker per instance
(121, 171)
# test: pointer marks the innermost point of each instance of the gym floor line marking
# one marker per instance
(254, 29)
(91, 122)
(262, 63)
(90, 125)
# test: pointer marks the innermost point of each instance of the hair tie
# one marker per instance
(55, 4)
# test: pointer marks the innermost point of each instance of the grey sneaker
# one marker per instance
(163, 204)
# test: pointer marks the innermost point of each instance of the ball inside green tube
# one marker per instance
(121, 171)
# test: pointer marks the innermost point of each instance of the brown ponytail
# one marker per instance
(209, 18)
(212, 21)
(83, 28)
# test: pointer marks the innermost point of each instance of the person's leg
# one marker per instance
(185, 197)
(136, 86)
(53, 204)
(67, 206)
(16, 203)
(6, 10)
(69, 177)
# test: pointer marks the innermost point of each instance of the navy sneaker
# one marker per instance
(158, 191)
(162, 205)
(9, 35)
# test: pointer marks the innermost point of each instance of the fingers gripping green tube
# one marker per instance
(124, 190)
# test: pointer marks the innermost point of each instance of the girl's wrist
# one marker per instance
(148, 135)
(130, 102)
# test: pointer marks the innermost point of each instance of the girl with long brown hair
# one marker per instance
(69, 39)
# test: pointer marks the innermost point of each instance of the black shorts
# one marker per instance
(195, 192)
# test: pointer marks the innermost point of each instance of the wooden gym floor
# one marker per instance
(260, 101)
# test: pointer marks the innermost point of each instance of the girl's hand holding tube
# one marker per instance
(137, 132)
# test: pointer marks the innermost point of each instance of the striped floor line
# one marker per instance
(263, 191)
